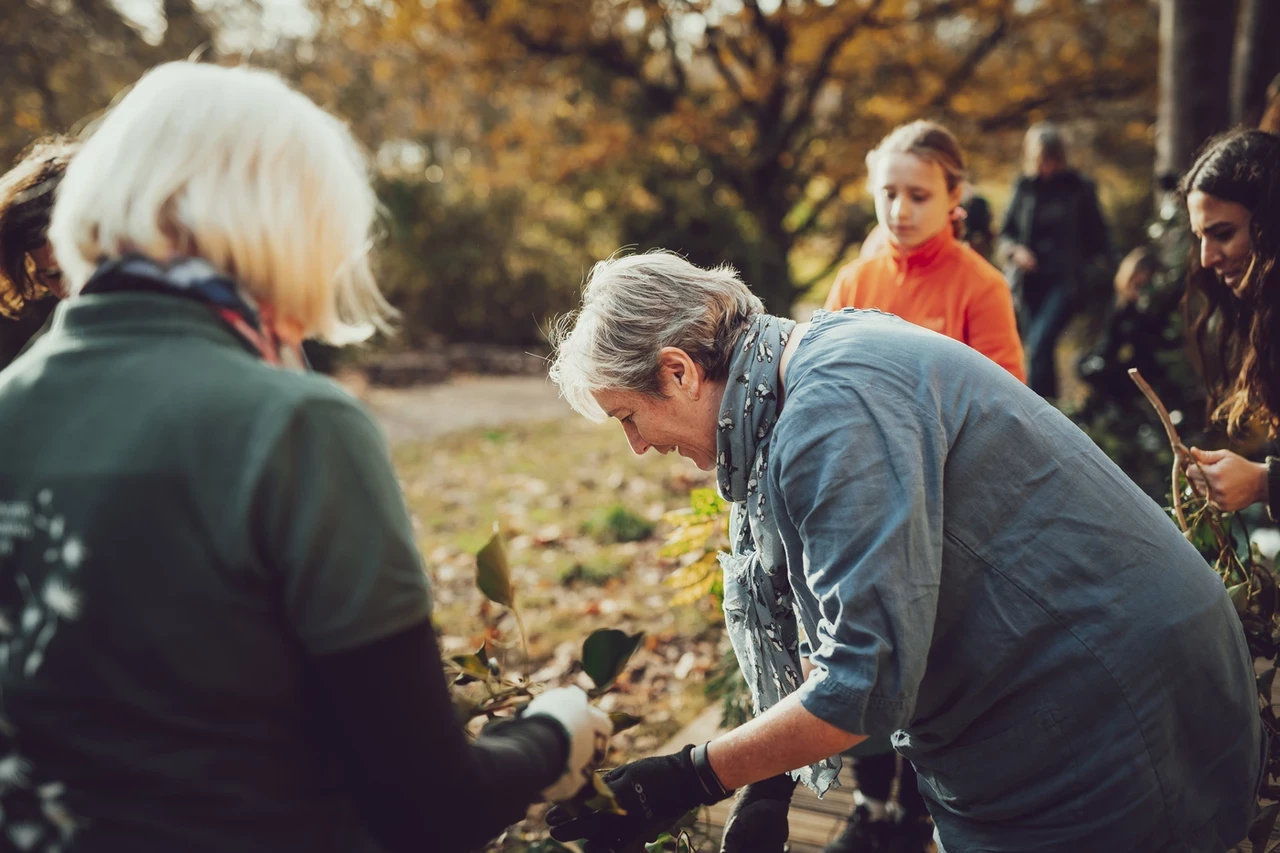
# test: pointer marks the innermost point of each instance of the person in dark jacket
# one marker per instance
(1053, 231)
(217, 626)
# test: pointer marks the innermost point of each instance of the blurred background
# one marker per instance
(517, 142)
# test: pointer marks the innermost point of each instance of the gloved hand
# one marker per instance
(588, 729)
(758, 820)
(655, 793)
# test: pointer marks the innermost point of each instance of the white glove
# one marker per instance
(588, 729)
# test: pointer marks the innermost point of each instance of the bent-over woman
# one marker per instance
(980, 583)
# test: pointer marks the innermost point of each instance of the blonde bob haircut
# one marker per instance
(232, 166)
(635, 305)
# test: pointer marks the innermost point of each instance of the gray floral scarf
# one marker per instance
(757, 593)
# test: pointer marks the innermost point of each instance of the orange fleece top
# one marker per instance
(942, 285)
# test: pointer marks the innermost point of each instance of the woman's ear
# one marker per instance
(681, 372)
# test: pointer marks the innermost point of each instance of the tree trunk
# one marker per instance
(1195, 68)
(1257, 59)
(769, 273)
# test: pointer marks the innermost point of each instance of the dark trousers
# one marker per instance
(1046, 310)
(875, 776)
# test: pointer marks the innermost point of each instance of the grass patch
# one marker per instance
(596, 571)
(618, 524)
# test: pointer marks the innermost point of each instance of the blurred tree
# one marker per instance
(1195, 70)
(63, 60)
(1257, 59)
(766, 108)
(458, 266)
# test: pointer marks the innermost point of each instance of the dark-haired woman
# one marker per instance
(1233, 294)
(30, 279)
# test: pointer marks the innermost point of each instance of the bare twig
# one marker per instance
(1182, 459)
(1180, 454)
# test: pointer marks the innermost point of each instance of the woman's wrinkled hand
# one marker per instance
(1227, 479)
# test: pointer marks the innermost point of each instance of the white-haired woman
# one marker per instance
(977, 579)
(215, 626)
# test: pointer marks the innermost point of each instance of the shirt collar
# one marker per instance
(926, 254)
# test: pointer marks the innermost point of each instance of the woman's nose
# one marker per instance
(1210, 256)
(638, 444)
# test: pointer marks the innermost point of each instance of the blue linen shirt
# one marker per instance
(982, 583)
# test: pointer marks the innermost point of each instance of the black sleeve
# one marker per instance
(417, 782)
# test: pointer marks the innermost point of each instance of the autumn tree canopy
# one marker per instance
(764, 112)
(732, 130)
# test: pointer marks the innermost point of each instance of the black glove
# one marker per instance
(758, 820)
(655, 792)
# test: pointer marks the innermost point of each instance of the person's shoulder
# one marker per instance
(857, 269)
(980, 274)
(870, 268)
(311, 392)
(275, 400)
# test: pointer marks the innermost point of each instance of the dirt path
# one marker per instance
(473, 402)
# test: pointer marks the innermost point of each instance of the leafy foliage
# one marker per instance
(700, 532)
(1251, 585)
(480, 686)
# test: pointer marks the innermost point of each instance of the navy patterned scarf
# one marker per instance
(757, 593)
(195, 278)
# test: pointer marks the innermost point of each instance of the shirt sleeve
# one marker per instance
(863, 489)
(335, 529)
(992, 326)
(411, 770)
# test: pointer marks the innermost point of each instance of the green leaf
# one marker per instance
(493, 572)
(606, 652)
(1260, 832)
(623, 721)
(658, 844)
(1239, 595)
(473, 668)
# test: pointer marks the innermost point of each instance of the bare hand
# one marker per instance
(1023, 258)
(1230, 481)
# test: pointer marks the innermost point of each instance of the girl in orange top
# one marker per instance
(924, 274)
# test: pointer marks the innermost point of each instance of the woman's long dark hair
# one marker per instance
(26, 201)
(1234, 337)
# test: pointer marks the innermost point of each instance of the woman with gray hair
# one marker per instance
(1052, 232)
(976, 578)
